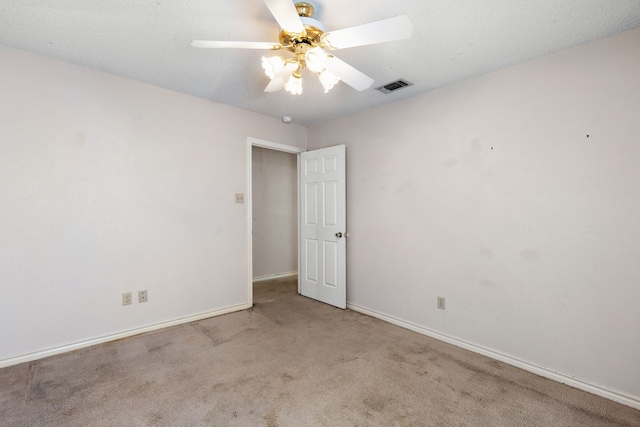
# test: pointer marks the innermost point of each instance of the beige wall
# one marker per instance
(515, 195)
(275, 212)
(108, 185)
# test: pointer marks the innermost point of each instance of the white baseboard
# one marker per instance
(622, 398)
(275, 276)
(14, 360)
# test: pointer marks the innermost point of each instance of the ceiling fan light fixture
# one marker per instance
(309, 42)
(294, 84)
(272, 65)
(328, 80)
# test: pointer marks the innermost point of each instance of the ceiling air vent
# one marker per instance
(393, 86)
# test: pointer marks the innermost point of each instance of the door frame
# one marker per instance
(256, 142)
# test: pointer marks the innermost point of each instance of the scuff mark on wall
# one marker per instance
(530, 255)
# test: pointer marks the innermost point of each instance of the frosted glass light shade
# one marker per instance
(294, 85)
(272, 65)
(316, 60)
(328, 80)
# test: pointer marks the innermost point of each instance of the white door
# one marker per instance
(323, 220)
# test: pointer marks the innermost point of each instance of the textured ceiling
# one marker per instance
(453, 40)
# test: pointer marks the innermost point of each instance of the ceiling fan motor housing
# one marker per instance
(313, 31)
(312, 37)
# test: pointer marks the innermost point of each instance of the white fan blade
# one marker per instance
(280, 79)
(286, 14)
(387, 30)
(354, 78)
(236, 45)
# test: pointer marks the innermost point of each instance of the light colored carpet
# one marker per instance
(290, 361)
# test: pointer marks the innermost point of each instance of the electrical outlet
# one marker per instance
(142, 296)
(127, 299)
(441, 303)
(239, 198)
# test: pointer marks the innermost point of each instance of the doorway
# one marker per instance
(272, 205)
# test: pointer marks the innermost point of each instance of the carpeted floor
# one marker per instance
(290, 361)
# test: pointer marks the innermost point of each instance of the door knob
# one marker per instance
(338, 234)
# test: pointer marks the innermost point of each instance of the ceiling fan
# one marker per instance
(310, 44)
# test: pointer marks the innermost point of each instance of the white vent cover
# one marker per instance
(393, 86)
